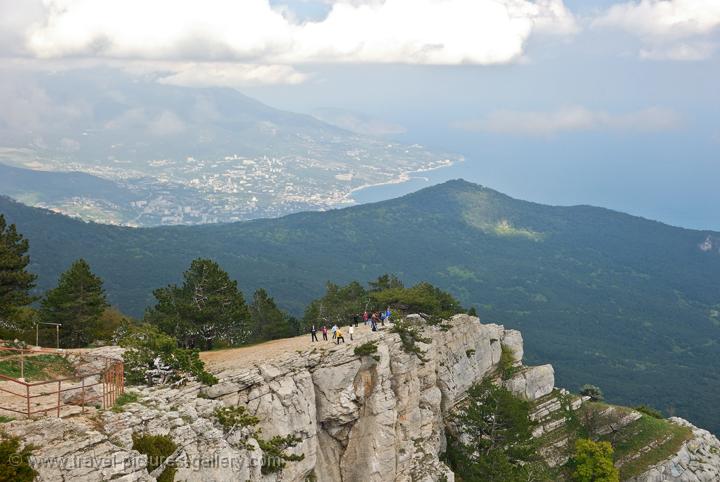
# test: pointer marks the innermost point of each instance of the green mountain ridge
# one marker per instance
(629, 304)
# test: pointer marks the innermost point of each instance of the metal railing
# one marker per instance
(96, 389)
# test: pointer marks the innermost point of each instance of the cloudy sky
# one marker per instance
(603, 102)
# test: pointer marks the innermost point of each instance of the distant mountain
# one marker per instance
(187, 155)
(622, 302)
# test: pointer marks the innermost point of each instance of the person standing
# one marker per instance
(365, 317)
(351, 330)
(313, 333)
(324, 332)
(387, 314)
(356, 319)
(339, 336)
(334, 331)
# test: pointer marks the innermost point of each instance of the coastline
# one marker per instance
(402, 178)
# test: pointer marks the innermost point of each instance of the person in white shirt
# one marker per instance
(351, 330)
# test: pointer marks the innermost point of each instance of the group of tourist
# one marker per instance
(373, 319)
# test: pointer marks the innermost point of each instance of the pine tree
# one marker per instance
(15, 281)
(77, 303)
(207, 308)
(497, 443)
(386, 282)
(269, 322)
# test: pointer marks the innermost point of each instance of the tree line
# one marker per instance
(206, 310)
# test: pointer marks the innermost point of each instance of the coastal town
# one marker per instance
(236, 187)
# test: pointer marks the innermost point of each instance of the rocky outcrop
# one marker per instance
(698, 460)
(372, 418)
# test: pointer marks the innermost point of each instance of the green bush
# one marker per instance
(14, 461)
(593, 462)
(647, 410)
(157, 448)
(409, 336)
(366, 349)
(231, 417)
(421, 298)
(274, 456)
(592, 391)
(507, 363)
(145, 344)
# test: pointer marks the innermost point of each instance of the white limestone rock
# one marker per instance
(531, 383)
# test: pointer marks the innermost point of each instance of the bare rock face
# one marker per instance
(373, 418)
(698, 460)
(531, 383)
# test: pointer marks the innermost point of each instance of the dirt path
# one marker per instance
(262, 352)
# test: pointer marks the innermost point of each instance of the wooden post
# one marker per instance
(57, 337)
(37, 335)
(22, 365)
(27, 397)
(58, 400)
(83, 395)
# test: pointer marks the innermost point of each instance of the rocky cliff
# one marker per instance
(373, 417)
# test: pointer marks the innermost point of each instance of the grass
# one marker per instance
(629, 443)
(4, 419)
(642, 433)
(38, 367)
(124, 399)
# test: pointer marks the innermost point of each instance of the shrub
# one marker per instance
(153, 358)
(231, 417)
(274, 456)
(469, 353)
(366, 349)
(654, 413)
(507, 363)
(592, 391)
(14, 461)
(157, 448)
(409, 336)
(593, 462)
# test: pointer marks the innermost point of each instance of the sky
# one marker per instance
(611, 103)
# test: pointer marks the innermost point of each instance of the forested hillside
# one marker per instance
(625, 303)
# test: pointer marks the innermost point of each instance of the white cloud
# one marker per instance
(542, 124)
(251, 31)
(670, 29)
(681, 51)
